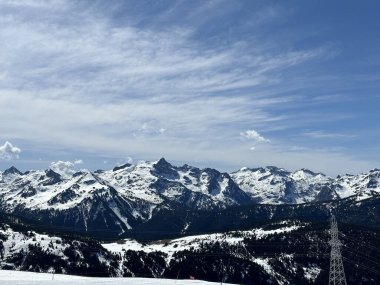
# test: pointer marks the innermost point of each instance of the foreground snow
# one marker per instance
(31, 278)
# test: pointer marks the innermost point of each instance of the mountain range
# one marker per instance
(155, 219)
(116, 201)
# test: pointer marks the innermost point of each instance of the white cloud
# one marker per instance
(8, 151)
(64, 168)
(254, 135)
(78, 161)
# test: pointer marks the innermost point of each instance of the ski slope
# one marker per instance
(31, 278)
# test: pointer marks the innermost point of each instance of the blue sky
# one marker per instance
(221, 84)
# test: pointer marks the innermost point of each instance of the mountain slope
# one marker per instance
(282, 252)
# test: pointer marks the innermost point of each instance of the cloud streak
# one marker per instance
(325, 135)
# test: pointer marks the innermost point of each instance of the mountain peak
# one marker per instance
(53, 177)
(162, 161)
(52, 174)
(164, 169)
(12, 170)
(162, 164)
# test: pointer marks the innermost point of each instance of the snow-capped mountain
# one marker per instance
(118, 199)
(114, 201)
(160, 181)
(363, 186)
(272, 185)
(82, 201)
(154, 219)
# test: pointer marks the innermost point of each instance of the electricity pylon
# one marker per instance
(336, 276)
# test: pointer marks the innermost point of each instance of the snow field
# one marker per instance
(31, 278)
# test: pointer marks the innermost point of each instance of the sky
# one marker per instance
(218, 83)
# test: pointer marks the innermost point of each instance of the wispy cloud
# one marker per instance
(78, 77)
(96, 58)
(325, 135)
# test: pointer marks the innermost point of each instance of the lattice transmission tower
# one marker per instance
(337, 276)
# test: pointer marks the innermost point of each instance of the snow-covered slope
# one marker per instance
(28, 250)
(194, 242)
(43, 253)
(31, 278)
(13, 242)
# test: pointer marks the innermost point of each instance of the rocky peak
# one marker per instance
(52, 174)
(12, 170)
(164, 169)
(52, 177)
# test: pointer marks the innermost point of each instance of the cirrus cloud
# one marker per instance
(153, 82)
